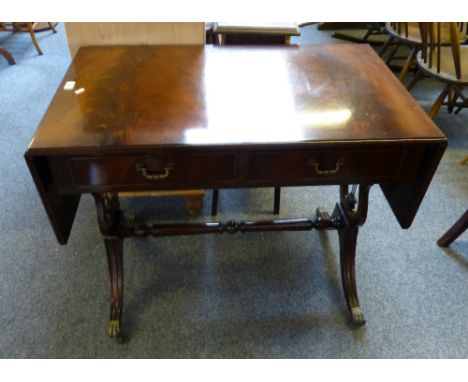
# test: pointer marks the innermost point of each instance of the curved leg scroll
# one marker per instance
(352, 218)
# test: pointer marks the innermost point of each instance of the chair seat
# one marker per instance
(414, 35)
(447, 67)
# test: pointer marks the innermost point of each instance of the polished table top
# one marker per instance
(216, 96)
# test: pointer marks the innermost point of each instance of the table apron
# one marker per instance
(230, 169)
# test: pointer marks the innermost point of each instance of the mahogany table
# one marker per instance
(179, 117)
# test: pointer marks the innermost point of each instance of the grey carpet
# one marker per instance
(253, 295)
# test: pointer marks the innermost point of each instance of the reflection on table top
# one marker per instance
(194, 95)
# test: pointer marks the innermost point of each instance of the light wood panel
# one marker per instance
(85, 34)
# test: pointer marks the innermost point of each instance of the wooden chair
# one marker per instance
(460, 226)
(445, 63)
(402, 34)
(5, 53)
(371, 29)
(29, 27)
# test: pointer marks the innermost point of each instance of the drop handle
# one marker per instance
(316, 166)
(155, 176)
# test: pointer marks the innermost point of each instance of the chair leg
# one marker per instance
(385, 46)
(51, 25)
(418, 76)
(408, 63)
(464, 100)
(276, 207)
(456, 230)
(5, 53)
(33, 37)
(214, 202)
(439, 101)
(453, 97)
(392, 54)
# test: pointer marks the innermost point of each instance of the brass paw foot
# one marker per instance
(357, 316)
(114, 329)
(115, 319)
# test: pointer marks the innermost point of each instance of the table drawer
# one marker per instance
(152, 169)
(326, 165)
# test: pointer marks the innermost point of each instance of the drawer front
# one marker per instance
(326, 165)
(152, 169)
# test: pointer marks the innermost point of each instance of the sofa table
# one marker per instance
(130, 119)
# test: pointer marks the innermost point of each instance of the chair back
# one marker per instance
(433, 40)
(403, 29)
(407, 31)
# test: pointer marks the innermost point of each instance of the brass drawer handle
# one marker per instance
(315, 165)
(164, 175)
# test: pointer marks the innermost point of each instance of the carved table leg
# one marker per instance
(109, 217)
(352, 218)
(114, 251)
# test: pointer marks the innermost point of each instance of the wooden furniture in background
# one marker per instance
(87, 34)
(42, 26)
(29, 28)
(445, 63)
(402, 34)
(5, 53)
(371, 29)
(325, 26)
(236, 33)
(207, 132)
(460, 226)
(170, 33)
